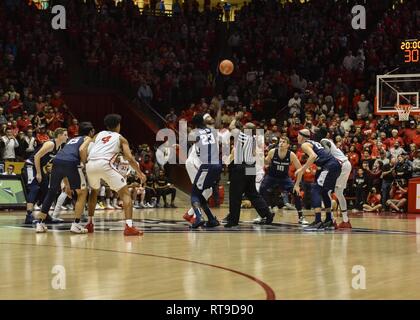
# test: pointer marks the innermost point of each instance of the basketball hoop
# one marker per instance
(403, 111)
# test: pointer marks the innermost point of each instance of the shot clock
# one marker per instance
(411, 50)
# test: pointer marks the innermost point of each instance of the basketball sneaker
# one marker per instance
(225, 219)
(56, 220)
(212, 223)
(330, 225)
(230, 225)
(78, 228)
(198, 221)
(303, 221)
(40, 227)
(132, 231)
(258, 220)
(90, 227)
(29, 219)
(345, 225)
(315, 226)
(188, 218)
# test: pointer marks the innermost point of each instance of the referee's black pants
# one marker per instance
(241, 183)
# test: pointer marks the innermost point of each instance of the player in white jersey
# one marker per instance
(106, 147)
(192, 164)
(341, 183)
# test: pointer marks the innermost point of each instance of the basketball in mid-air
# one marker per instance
(226, 67)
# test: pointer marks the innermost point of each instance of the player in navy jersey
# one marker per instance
(326, 178)
(279, 160)
(207, 148)
(34, 172)
(67, 166)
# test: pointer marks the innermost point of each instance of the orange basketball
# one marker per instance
(226, 67)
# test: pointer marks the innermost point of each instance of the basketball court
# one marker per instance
(172, 262)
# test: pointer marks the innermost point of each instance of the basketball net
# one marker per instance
(403, 111)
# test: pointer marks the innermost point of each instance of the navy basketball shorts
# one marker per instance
(66, 169)
(269, 183)
(328, 175)
(207, 176)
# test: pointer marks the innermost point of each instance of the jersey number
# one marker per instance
(207, 139)
(280, 168)
(73, 141)
(318, 145)
(106, 139)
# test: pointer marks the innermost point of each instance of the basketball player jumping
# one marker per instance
(342, 179)
(325, 178)
(208, 173)
(192, 164)
(67, 164)
(279, 160)
(106, 146)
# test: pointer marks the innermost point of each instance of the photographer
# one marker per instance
(398, 195)
(9, 144)
(373, 202)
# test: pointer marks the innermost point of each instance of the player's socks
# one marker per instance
(208, 213)
(129, 222)
(345, 216)
(197, 211)
(318, 217)
(328, 216)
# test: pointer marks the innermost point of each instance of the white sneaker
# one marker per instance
(78, 228)
(258, 220)
(37, 208)
(64, 208)
(40, 227)
(303, 221)
(117, 207)
(70, 207)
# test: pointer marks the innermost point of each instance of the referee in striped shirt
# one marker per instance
(242, 179)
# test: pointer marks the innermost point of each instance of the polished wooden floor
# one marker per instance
(171, 262)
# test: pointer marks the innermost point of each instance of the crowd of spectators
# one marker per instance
(303, 67)
(31, 70)
(167, 61)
